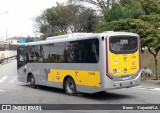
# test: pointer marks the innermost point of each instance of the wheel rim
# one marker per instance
(70, 87)
(31, 81)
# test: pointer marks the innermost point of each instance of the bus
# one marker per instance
(81, 62)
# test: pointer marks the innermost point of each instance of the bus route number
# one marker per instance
(123, 41)
(91, 73)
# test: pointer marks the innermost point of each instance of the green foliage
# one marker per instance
(124, 2)
(42, 26)
(66, 18)
(132, 9)
(153, 19)
(101, 4)
(146, 30)
(138, 16)
(58, 33)
(58, 17)
(150, 6)
(115, 13)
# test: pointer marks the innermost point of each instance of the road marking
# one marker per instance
(2, 91)
(13, 80)
(148, 88)
(3, 79)
(156, 89)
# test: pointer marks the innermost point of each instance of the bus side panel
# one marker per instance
(87, 78)
(53, 75)
(84, 75)
(86, 81)
(36, 69)
(22, 77)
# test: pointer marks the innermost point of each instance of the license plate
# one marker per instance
(126, 77)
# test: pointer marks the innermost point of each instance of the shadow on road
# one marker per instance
(106, 96)
(103, 96)
(47, 89)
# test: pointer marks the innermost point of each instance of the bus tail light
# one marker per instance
(107, 74)
(139, 47)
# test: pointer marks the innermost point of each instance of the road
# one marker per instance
(14, 92)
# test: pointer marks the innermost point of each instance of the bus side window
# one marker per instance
(46, 53)
(95, 49)
(22, 56)
(30, 49)
(82, 51)
(21, 59)
(40, 50)
(33, 54)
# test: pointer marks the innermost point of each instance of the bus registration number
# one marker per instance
(126, 77)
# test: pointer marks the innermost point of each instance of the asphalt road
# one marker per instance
(14, 92)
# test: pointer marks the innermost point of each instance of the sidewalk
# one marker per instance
(150, 83)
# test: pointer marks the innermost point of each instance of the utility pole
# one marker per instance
(6, 30)
(3, 13)
(6, 35)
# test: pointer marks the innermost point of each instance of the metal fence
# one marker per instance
(6, 60)
(4, 47)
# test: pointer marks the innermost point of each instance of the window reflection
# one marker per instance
(82, 51)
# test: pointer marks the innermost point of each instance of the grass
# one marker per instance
(147, 60)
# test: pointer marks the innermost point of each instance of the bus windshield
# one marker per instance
(123, 44)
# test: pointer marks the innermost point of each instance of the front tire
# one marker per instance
(32, 82)
(70, 86)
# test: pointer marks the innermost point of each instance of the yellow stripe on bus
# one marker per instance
(86, 78)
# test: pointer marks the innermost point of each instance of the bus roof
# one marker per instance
(69, 35)
(112, 33)
(77, 36)
(61, 38)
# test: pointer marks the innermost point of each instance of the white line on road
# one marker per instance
(148, 88)
(2, 91)
(3, 79)
(156, 89)
(13, 80)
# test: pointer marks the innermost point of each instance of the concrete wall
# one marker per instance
(7, 53)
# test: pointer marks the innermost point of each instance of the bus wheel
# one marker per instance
(32, 82)
(70, 86)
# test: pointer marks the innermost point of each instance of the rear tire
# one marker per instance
(70, 86)
(32, 82)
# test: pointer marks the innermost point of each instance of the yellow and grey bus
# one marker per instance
(82, 62)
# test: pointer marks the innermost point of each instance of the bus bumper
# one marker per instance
(127, 83)
(112, 85)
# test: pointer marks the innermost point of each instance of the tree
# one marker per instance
(154, 45)
(102, 4)
(133, 9)
(126, 16)
(130, 25)
(87, 21)
(149, 6)
(67, 19)
(115, 13)
(42, 26)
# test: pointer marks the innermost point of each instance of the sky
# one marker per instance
(16, 16)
